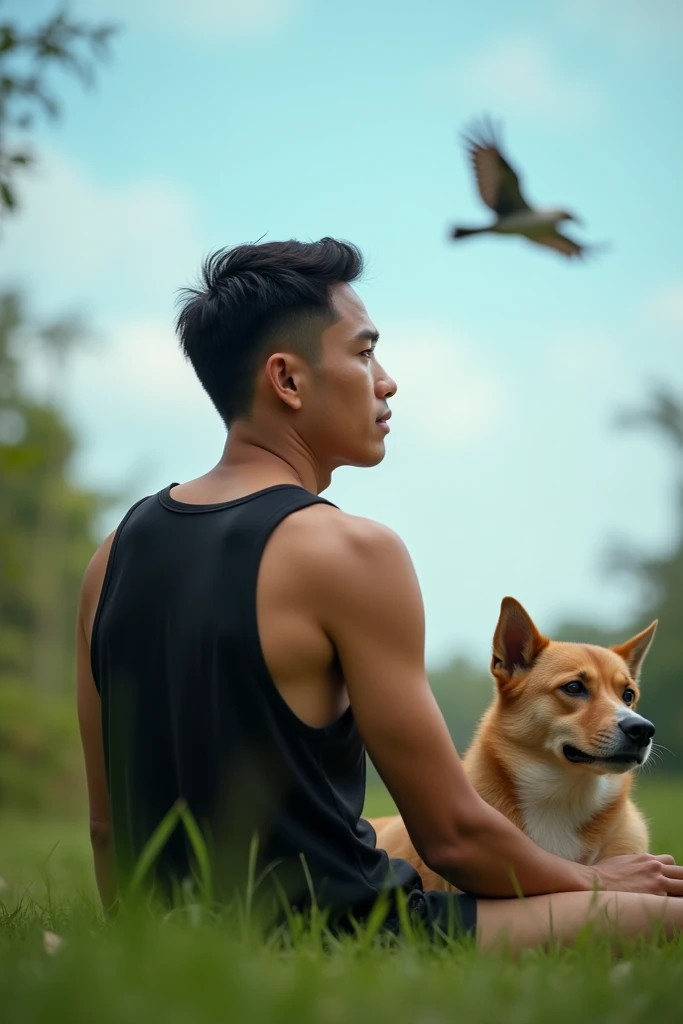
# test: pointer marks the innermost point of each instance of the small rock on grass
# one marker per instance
(620, 971)
(52, 942)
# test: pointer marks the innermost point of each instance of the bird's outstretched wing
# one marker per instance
(498, 183)
(567, 246)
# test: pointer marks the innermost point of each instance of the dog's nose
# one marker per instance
(638, 729)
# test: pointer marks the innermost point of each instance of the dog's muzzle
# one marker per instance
(633, 738)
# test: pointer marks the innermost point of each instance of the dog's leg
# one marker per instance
(392, 836)
(629, 836)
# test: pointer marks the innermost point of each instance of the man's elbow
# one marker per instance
(453, 853)
(101, 835)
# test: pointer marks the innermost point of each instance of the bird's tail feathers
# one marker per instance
(465, 232)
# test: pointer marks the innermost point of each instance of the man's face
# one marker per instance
(348, 392)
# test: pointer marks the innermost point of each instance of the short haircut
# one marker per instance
(252, 297)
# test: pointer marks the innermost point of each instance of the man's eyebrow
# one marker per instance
(367, 335)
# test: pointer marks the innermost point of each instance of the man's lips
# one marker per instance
(383, 421)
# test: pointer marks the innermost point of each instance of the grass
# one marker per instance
(187, 970)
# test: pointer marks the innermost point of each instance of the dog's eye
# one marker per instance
(628, 696)
(575, 688)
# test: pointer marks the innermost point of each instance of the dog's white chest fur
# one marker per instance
(556, 805)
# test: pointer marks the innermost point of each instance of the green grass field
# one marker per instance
(187, 970)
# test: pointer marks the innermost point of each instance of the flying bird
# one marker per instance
(499, 187)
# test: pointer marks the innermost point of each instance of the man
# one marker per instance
(240, 640)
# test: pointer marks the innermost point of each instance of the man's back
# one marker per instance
(190, 709)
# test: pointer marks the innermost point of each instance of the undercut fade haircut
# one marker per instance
(254, 299)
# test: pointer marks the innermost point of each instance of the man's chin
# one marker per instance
(375, 457)
(365, 461)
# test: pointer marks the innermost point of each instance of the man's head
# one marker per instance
(279, 339)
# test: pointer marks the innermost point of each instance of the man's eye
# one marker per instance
(628, 696)
(369, 352)
(574, 689)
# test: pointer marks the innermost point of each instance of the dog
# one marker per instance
(556, 749)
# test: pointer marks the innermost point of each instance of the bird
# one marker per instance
(500, 189)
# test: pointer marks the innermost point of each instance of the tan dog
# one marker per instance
(555, 750)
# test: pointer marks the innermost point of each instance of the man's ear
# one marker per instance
(633, 651)
(516, 642)
(283, 375)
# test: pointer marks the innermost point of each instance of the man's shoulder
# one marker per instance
(93, 578)
(96, 568)
(329, 538)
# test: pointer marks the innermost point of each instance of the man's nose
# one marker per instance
(638, 729)
(386, 386)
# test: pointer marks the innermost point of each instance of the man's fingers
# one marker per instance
(672, 870)
(664, 858)
(674, 886)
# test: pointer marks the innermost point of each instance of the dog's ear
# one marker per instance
(633, 651)
(516, 642)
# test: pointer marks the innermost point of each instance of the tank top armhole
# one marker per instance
(105, 587)
(275, 699)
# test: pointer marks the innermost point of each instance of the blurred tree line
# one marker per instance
(48, 524)
(48, 532)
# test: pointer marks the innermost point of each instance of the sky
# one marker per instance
(215, 123)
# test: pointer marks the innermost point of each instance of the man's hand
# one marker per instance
(642, 872)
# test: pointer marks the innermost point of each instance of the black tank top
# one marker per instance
(189, 710)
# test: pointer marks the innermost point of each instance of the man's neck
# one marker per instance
(247, 466)
(284, 459)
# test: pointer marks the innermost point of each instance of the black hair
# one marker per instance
(250, 296)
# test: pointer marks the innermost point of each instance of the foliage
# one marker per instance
(47, 523)
(40, 760)
(26, 57)
(463, 692)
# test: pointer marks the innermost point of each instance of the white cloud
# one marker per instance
(520, 75)
(140, 410)
(664, 308)
(141, 364)
(639, 24)
(212, 20)
(446, 393)
(84, 242)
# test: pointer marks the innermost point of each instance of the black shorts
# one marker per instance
(442, 915)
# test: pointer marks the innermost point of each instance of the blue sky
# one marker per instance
(218, 122)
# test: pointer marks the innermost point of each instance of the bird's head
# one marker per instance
(568, 215)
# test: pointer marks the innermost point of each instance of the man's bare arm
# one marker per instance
(90, 724)
(374, 616)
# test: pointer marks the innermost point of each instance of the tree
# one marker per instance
(48, 525)
(26, 60)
